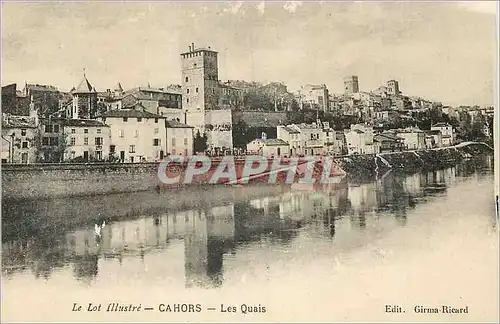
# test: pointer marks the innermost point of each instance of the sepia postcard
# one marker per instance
(249, 161)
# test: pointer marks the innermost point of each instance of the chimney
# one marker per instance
(192, 46)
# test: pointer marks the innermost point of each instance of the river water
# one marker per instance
(340, 254)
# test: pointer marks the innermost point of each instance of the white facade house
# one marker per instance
(359, 139)
(179, 138)
(414, 138)
(268, 147)
(87, 139)
(447, 133)
(290, 135)
(433, 139)
(311, 140)
(136, 136)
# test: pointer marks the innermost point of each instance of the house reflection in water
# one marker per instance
(211, 235)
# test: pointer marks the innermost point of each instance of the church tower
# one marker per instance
(84, 100)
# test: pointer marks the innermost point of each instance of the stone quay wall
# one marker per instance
(38, 181)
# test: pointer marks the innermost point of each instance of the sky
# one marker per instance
(441, 51)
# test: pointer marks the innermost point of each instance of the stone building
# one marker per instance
(19, 138)
(179, 138)
(314, 97)
(201, 97)
(136, 135)
(84, 101)
(351, 84)
(87, 139)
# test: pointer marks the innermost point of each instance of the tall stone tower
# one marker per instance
(393, 87)
(84, 100)
(200, 79)
(351, 84)
(200, 98)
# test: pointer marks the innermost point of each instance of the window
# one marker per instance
(187, 91)
(122, 133)
(156, 120)
(185, 141)
(156, 130)
(73, 141)
(173, 141)
(112, 149)
(156, 142)
(25, 145)
(125, 119)
(73, 154)
(48, 128)
(196, 90)
(56, 128)
(86, 131)
(85, 141)
(98, 131)
(187, 100)
(73, 131)
(139, 119)
(45, 141)
(131, 149)
(53, 141)
(23, 132)
(187, 79)
(98, 141)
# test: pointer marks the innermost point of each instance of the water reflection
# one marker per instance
(37, 243)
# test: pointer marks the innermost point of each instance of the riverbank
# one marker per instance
(39, 181)
(411, 161)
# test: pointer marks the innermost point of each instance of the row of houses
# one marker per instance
(320, 139)
(125, 135)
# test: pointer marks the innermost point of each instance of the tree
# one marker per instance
(200, 142)
(241, 134)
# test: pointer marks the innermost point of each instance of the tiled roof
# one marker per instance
(176, 124)
(309, 126)
(274, 142)
(441, 125)
(84, 86)
(151, 93)
(136, 106)
(291, 130)
(129, 113)
(118, 87)
(357, 131)
(389, 136)
(84, 123)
